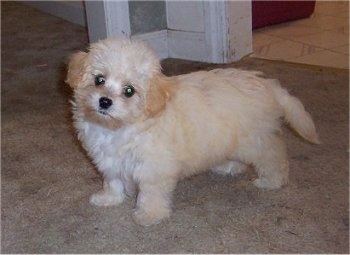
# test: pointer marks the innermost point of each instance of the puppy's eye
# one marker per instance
(100, 80)
(129, 91)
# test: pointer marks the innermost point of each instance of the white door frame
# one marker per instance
(107, 19)
(227, 34)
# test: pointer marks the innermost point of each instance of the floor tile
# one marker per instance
(330, 7)
(321, 39)
(324, 22)
(293, 30)
(285, 49)
(342, 30)
(344, 14)
(325, 39)
(324, 58)
(342, 49)
(261, 39)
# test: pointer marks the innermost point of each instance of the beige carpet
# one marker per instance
(46, 178)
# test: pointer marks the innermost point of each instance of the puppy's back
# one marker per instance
(211, 112)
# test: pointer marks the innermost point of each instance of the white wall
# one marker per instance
(178, 14)
(208, 31)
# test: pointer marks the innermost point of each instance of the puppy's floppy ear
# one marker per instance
(159, 92)
(77, 69)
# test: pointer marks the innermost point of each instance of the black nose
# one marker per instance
(105, 102)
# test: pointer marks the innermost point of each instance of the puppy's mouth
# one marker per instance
(103, 112)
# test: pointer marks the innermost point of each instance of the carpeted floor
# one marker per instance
(46, 178)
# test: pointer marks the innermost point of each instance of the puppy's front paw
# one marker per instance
(264, 183)
(103, 198)
(144, 218)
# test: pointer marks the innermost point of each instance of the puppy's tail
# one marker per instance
(296, 115)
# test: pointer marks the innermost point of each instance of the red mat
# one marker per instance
(273, 12)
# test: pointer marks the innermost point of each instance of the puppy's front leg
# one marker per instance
(230, 167)
(112, 193)
(153, 202)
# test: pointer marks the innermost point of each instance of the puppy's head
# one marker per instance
(117, 82)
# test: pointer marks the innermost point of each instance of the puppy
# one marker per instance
(145, 131)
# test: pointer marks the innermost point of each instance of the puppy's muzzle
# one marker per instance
(105, 103)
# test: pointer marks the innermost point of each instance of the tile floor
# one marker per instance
(322, 39)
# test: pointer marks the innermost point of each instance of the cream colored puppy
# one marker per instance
(145, 131)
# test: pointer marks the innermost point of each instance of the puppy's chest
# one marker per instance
(112, 151)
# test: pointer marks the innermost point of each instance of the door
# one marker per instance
(207, 31)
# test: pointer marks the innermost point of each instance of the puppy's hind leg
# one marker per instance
(112, 193)
(230, 167)
(271, 163)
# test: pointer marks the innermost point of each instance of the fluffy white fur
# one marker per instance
(174, 127)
